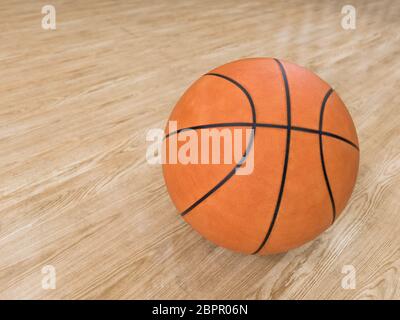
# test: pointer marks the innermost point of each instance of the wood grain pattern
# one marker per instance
(76, 191)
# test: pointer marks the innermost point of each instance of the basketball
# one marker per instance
(297, 140)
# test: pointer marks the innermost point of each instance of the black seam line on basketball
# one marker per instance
(249, 98)
(263, 125)
(286, 161)
(321, 151)
(226, 124)
(246, 152)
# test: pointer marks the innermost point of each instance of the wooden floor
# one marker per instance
(77, 193)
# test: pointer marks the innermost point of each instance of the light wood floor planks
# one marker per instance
(76, 103)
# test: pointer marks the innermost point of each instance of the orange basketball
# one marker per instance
(305, 156)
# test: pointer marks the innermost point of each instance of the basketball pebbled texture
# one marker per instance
(305, 157)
